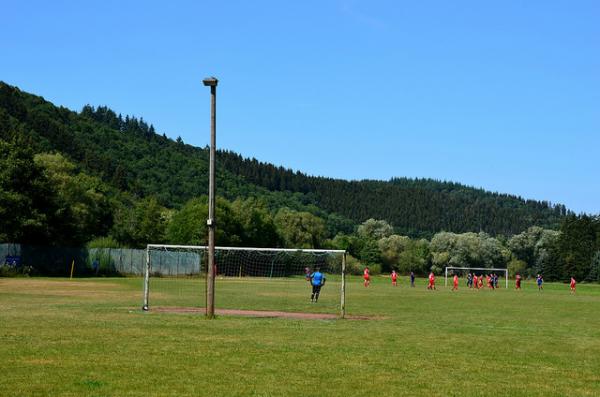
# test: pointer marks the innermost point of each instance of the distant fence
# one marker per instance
(56, 261)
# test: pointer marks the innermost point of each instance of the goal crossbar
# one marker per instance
(487, 269)
(311, 250)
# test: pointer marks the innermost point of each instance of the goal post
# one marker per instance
(246, 278)
(478, 269)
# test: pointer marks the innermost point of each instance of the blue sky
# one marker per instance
(503, 95)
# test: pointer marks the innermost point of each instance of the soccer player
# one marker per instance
(412, 279)
(431, 281)
(481, 281)
(317, 280)
(470, 280)
(540, 282)
(475, 281)
(394, 276)
(307, 273)
(573, 284)
(367, 276)
(455, 287)
(518, 281)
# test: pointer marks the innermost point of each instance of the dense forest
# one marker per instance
(129, 155)
(70, 178)
(416, 207)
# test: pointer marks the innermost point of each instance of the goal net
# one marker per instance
(265, 279)
(477, 271)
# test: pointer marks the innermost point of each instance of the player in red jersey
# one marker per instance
(573, 284)
(455, 287)
(475, 281)
(518, 281)
(431, 284)
(481, 281)
(367, 276)
(394, 277)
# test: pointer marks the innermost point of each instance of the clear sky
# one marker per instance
(503, 95)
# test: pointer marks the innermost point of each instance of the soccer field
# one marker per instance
(89, 338)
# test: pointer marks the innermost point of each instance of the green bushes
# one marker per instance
(104, 242)
(356, 267)
(15, 271)
(516, 266)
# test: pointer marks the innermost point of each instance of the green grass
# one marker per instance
(89, 338)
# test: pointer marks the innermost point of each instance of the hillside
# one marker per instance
(414, 206)
(131, 157)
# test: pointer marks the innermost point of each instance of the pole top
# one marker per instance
(210, 81)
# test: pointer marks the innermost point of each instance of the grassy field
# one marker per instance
(89, 338)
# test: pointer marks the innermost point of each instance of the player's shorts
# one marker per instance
(367, 278)
(316, 289)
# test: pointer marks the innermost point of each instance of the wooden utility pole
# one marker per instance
(211, 221)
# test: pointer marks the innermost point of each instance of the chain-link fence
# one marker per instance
(57, 261)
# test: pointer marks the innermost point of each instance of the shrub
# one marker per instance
(516, 266)
(375, 269)
(353, 265)
(104, 242)
(436, 270)
(15, 271)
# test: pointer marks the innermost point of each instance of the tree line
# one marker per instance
(130, 157)
(45, 200)
(416, 207)
(571, 251)
(68, 178)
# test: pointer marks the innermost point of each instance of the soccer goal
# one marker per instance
(246, 279)
(477, 270)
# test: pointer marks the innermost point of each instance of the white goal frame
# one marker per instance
(487, 269)
(148, 267)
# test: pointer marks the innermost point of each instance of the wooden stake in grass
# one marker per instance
(72, 268)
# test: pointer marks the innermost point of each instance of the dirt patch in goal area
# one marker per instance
(262, 313)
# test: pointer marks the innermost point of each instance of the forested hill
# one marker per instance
(413, 206)
(129, 155)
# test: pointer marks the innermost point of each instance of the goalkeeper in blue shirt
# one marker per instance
(317, 280)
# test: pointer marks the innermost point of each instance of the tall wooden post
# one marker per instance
(211, 221)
